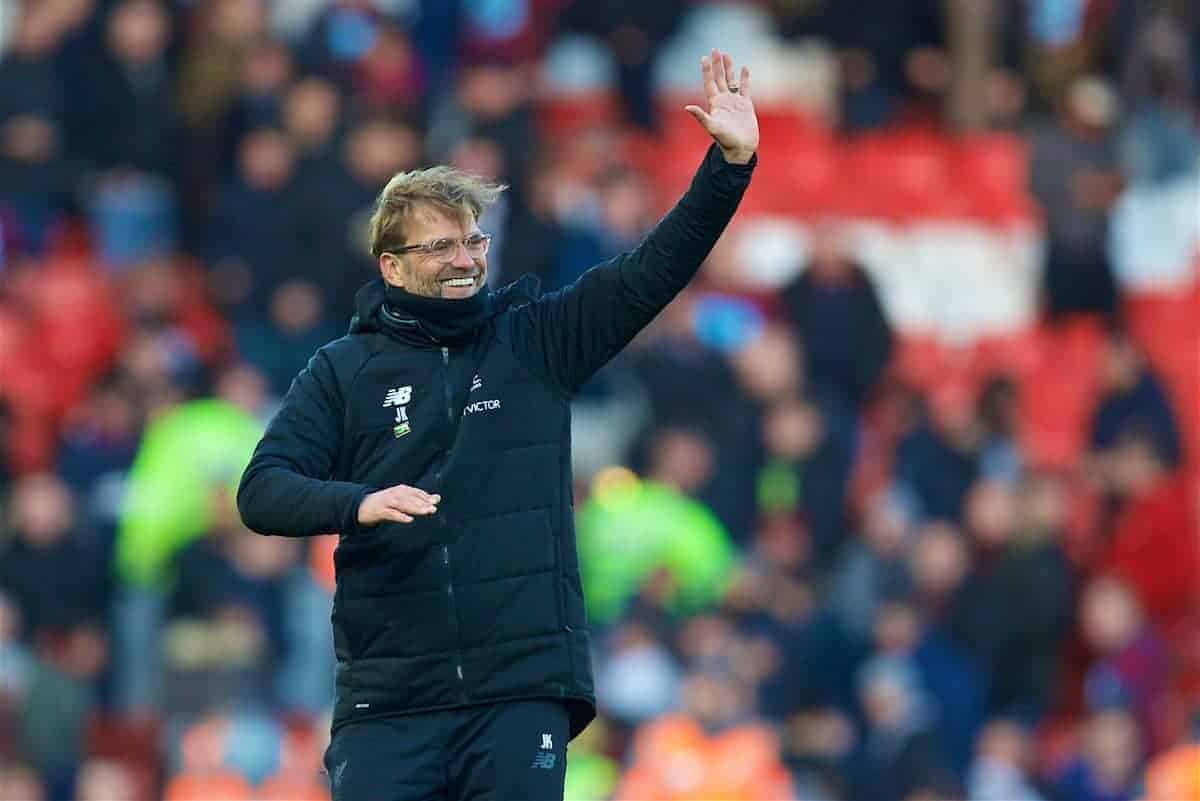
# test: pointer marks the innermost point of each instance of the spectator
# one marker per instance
(311, 115)
(335, 203)
(1153, 546)
(669, 362)
(1132, 396)
(98, 446)
(639, 678)
(630, 529)
(937, 460)
(490, 100)
(998, 417)
(1131, 672)
(899, 752)
(944, 668)
(982, 623)
(1001, 770)
(266, 71)
(34, 178)
(1159, 140)
(105, 780)
(48, 568)
(253, 241)
(835, 311)
(1040, 587)
(873, 567)
(818, 747)
(225, 575)
(34, 173)
(183, 457)
(129, 118)
(619, 222)
(280, 346)
(535, 233)
(389, 75)
(1106, 768)
(211, 73)
(1075, 176)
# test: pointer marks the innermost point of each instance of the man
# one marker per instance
(435, 438)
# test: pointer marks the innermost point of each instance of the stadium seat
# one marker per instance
(1057, 399)
(564, 115)
(992, 172)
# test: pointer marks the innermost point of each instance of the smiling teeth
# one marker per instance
(460, 281)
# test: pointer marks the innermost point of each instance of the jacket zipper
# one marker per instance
(458, 670)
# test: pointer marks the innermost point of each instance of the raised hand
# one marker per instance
(730, 118)
(399, 503)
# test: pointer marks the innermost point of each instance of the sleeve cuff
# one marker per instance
(732, 177)
(349, 521)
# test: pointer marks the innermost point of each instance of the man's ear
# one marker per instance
(389, 268)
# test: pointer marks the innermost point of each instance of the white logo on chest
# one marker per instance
(398, 397)
(481, 406)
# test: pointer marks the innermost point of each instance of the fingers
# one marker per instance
(412, 501)
(718, 70)
(727, 64)
(700, 114)
(706, 71)
(744, 81)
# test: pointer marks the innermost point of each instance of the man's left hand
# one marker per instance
(730, 118)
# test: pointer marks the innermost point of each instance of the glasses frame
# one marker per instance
(427, 248)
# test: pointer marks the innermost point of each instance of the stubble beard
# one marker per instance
(422, 285)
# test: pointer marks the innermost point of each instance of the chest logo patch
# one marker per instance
(399, 398)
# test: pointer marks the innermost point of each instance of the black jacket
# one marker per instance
(481, 602)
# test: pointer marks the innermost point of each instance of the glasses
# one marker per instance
(445, 249)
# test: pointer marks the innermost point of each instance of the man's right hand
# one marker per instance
(399, 503)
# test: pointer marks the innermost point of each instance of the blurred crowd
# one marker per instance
(835, 548)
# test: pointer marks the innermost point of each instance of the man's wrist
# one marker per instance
(737, 155)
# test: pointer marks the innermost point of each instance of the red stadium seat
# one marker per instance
(1058, 396)
(564, 115)
(992, 172)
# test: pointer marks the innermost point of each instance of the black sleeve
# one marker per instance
(570, 334)
(286, 488)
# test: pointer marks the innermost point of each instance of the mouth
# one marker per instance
(460, 282)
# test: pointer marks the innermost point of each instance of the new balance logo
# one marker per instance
(397, 397)
(476, 383)
(545, 757)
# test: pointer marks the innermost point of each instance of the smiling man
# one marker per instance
(435, 438)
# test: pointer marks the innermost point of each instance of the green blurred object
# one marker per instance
(778, 488)
(590, 777)
(630, 528)
(185, 455)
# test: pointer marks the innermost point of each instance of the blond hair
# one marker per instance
(455, 192)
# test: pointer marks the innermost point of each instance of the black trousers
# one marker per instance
(513, 751)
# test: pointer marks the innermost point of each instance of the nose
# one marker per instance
(461, 257)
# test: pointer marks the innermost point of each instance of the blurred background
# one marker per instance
(897, 502)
